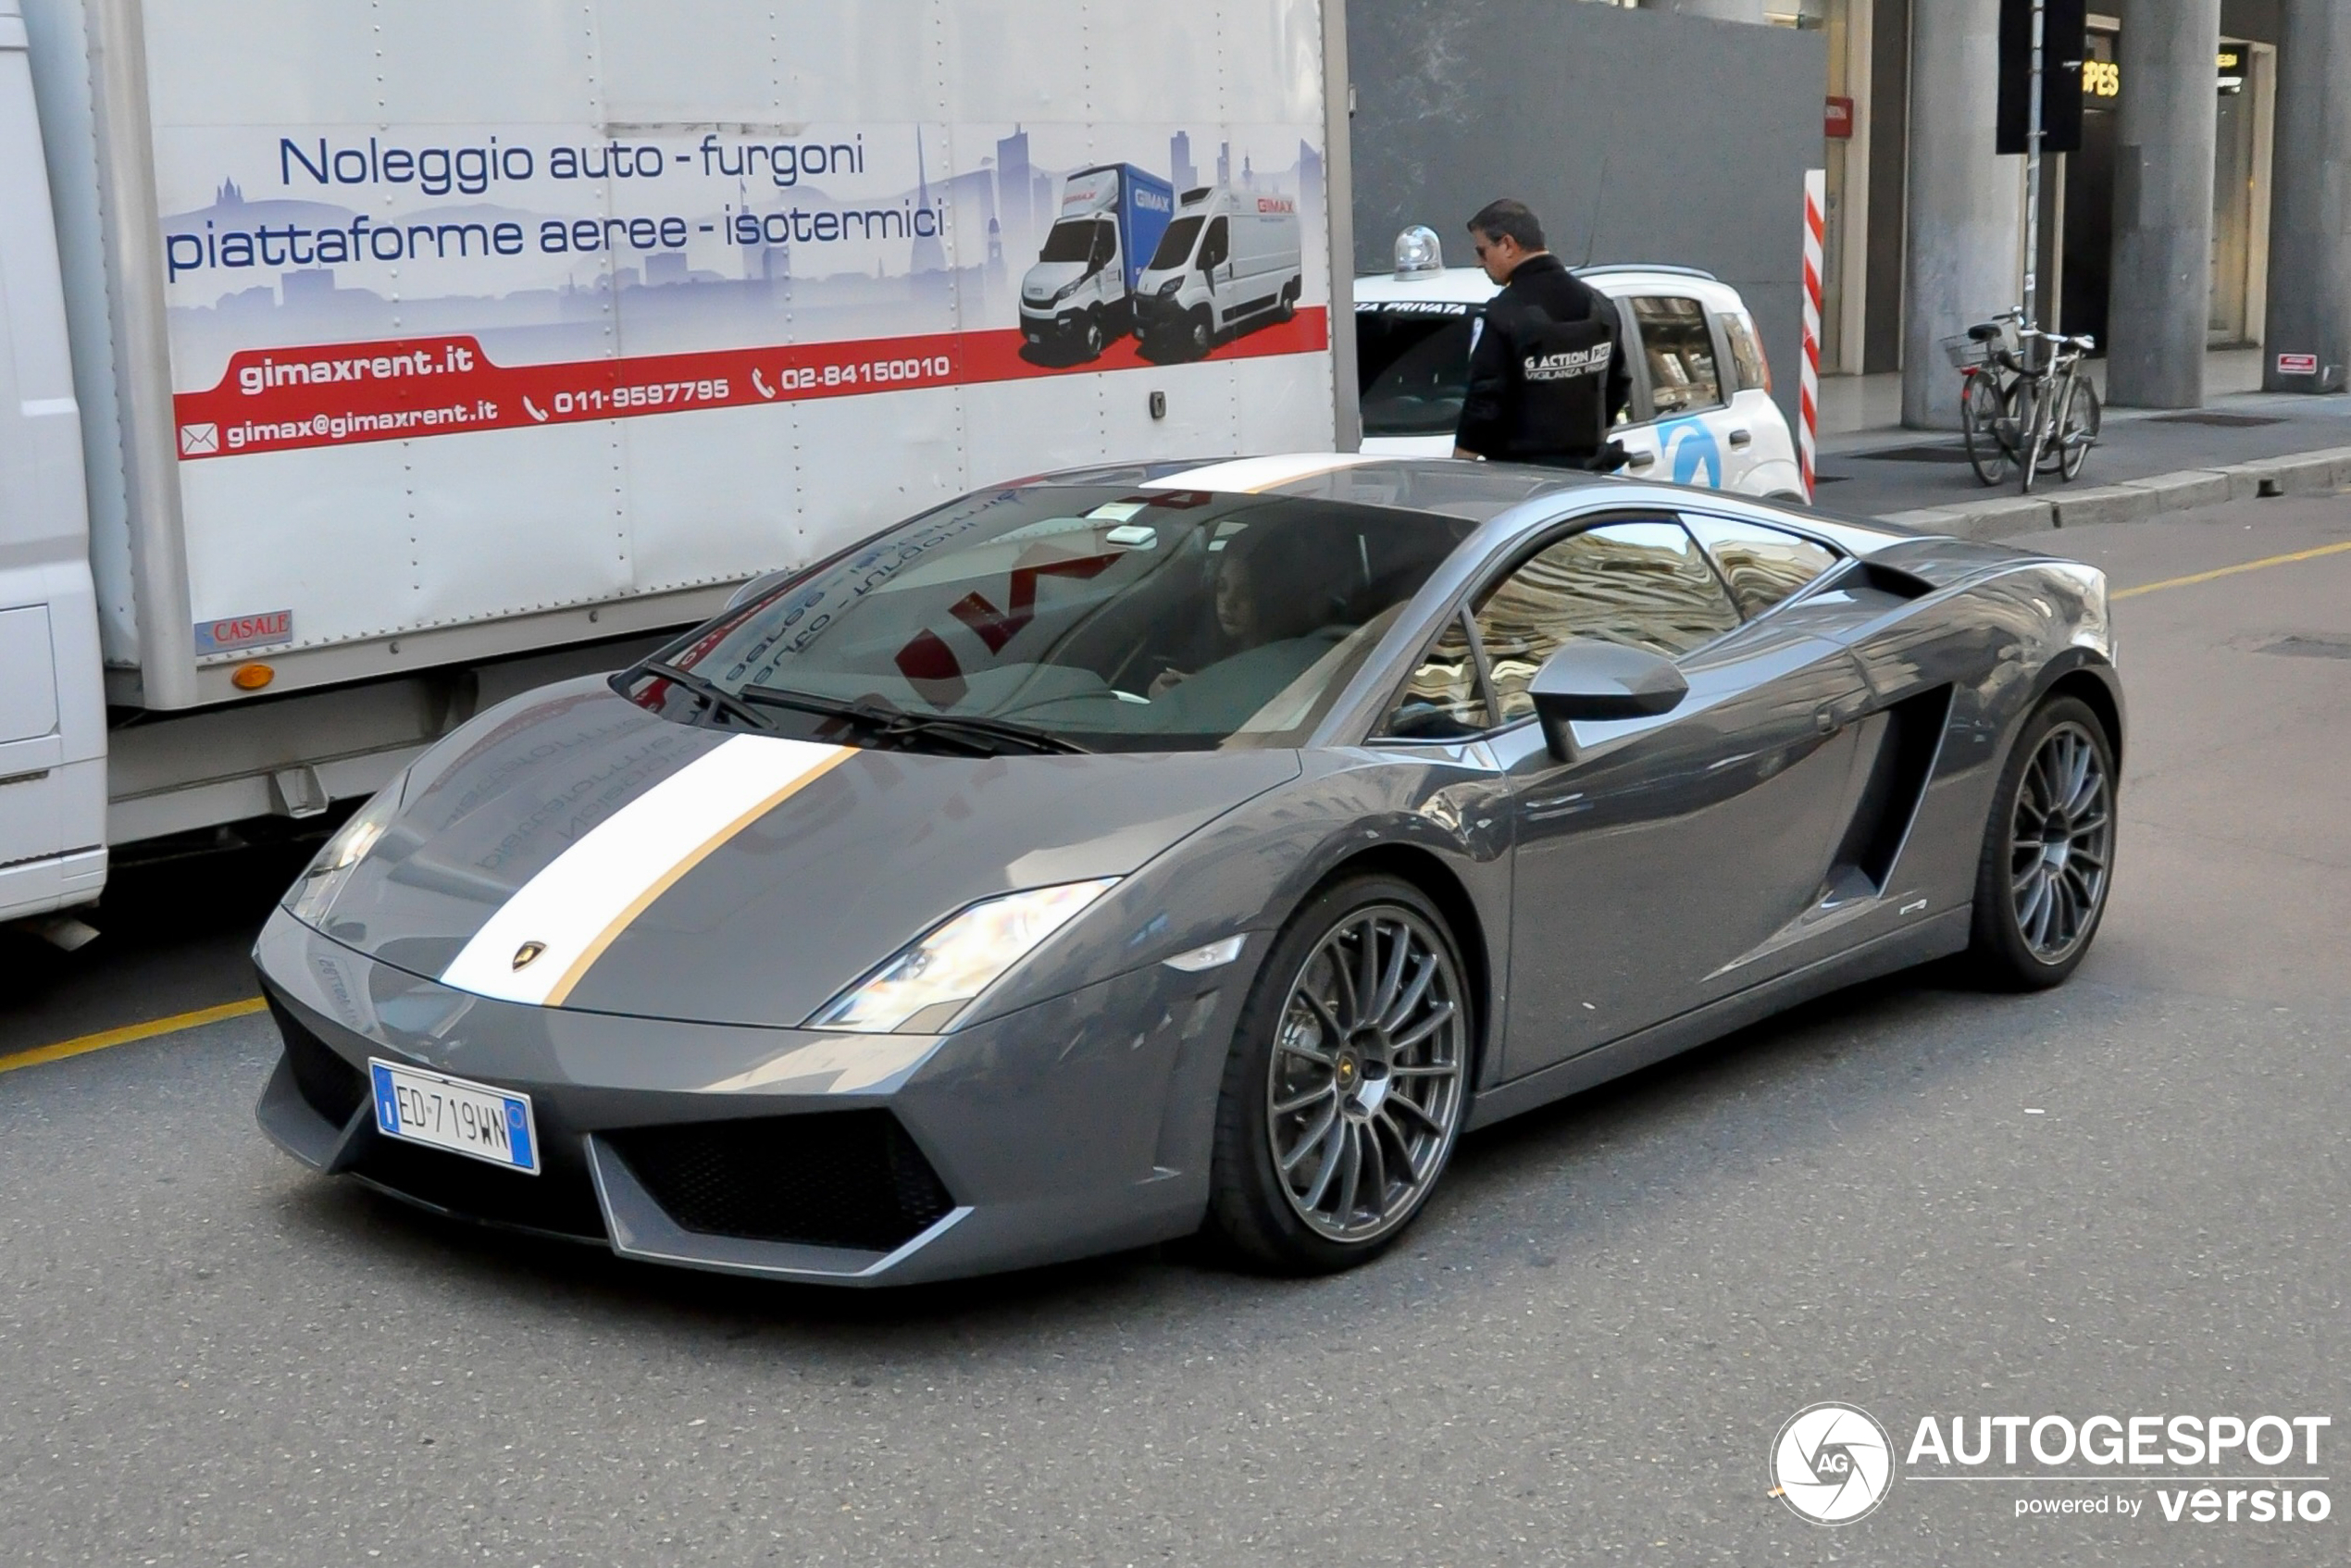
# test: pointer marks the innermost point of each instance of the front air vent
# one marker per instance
(328, 1084)
(833, 1178)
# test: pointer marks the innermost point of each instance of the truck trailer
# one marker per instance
(363, 368)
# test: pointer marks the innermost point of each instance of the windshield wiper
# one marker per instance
(714, 696)
(876, 717)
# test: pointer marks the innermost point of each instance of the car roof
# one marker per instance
(1469, 285)
(1450, 486)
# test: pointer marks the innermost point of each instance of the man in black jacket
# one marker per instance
(1546, 376)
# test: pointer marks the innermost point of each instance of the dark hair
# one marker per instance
(1506, 219)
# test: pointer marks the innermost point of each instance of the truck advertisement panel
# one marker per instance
(580, 321)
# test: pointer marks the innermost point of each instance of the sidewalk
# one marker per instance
(1878, 471)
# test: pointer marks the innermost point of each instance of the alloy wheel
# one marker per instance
(2060, 843)
(1364, 1095)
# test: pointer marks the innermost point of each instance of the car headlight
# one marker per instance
(1072, 287)
(309, 899)
(1170, 285)
(935, 976)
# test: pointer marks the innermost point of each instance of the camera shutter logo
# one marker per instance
(1831, 1465)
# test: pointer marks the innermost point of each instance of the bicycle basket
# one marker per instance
(1966, 353)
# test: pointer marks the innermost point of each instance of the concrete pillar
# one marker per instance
(1965, 216)
(2310, 199)
(2159, 303)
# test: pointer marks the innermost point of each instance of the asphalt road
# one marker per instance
(2125, 1197)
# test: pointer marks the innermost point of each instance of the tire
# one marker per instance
(1200, 333)
(2031, 430)
(1981, 410)
(2047, 863)
(1308, 1089)
(1287, 307)
(2078, 430)
(1091, 336)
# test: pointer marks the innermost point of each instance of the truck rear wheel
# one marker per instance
(1289, 305)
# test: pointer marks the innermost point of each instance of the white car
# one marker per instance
(1701, 412)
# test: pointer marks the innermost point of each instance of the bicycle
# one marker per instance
(2039, 421)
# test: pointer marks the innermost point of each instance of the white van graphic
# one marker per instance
(1231, 261)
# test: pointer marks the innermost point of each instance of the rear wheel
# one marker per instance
(1347, 1084)
(1980, 411)
(1289, 305)
(2078, 430)
(2048, 850)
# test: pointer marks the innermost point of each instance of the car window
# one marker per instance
(1762, 565)
(1443, 700)
(1217, 246)
(1118, 620)
(1177, 244)
(1643, 584)
(1105, 244)
(1754, 372)
(1415, 371)
(1680, 349)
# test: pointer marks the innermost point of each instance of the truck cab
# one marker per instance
(53, 731)
(1231, 260)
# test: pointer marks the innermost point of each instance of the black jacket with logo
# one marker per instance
(1506, 415)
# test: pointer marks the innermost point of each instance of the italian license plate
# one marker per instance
(464, 1118)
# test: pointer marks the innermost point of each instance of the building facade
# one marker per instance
(2178, 224)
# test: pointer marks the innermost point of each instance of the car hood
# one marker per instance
(1047, 278)
(673, 872)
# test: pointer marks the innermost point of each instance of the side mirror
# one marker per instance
(1588, 679)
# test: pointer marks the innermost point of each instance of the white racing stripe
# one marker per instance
(1251, 475)
(588, 895)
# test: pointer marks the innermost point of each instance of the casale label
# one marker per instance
(2298, 365)
(244, 631)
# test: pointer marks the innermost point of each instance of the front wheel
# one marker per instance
(1200, 333)
(2048, 850)
(1090, 336)
(2078, 430)
(1347, 1083)
(1980, 416)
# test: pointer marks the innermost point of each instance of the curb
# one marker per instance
(2303, 473)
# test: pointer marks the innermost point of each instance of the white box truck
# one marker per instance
(360, 365)
(1080, 295)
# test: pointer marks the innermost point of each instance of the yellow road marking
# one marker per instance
(124, 1036)
(2232, 571)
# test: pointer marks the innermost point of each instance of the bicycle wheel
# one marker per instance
(2078, 430)
(1980, 416)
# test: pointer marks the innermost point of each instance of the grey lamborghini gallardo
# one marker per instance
(1098, 858)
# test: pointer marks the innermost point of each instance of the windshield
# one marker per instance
(1073, 241)
(1413, 367)
(1175, 245)
(1108, 619)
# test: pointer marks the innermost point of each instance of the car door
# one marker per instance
(1216, 267)
(1654, 867)
(1677, 432)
